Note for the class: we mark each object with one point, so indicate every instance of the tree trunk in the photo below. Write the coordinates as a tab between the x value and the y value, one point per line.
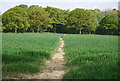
33	30
54	28
48	29
90	32
80	31
38	30
15	30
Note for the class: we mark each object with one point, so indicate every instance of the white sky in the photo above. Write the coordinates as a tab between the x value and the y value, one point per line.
59	0
63	4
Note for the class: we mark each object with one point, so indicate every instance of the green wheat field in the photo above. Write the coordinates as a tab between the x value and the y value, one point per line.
87	56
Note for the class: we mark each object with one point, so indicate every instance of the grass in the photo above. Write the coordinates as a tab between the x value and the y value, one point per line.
26	53
87	56
91	57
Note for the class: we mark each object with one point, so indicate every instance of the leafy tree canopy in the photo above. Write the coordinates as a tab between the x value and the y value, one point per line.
15	18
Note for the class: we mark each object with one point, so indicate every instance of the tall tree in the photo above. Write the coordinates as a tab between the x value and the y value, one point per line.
39	19
15	19
109	25
58	16
82	19
98	13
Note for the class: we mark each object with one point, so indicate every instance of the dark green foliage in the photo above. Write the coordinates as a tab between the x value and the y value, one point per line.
109	25
15	19
39	20
82	19
59	18
49	19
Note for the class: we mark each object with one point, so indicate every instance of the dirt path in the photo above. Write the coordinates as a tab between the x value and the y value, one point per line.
54	68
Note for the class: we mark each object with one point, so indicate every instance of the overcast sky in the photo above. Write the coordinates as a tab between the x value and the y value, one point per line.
63	4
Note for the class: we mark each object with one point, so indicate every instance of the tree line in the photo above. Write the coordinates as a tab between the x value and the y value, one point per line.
35	18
